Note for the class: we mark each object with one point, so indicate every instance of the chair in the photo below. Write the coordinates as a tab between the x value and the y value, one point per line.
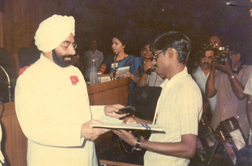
27	56
144	99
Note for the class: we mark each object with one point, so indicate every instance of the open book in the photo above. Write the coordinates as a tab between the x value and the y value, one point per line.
129	126
123	70
113	123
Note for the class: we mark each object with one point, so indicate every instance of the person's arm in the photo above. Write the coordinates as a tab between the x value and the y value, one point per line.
185	148
102	68
249	109
143	79
236	86
135	77
210	89
135	120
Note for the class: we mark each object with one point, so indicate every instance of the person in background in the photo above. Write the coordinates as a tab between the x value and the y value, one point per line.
200	75
52	104
122	59
91	54
227	84
149	76
178	110
215	41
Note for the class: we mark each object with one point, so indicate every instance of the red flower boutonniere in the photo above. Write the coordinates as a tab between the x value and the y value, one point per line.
74	79
21	70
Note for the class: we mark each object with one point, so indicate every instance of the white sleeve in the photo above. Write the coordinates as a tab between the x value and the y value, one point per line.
248	87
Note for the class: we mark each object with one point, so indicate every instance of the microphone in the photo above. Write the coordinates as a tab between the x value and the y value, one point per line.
8	79
114	72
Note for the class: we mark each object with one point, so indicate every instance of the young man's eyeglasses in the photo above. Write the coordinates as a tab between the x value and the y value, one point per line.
155	55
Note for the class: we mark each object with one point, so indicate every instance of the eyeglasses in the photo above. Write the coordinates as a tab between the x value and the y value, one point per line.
66	45
155	55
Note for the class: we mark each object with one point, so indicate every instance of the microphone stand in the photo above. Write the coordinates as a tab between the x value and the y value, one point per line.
114	72
9	84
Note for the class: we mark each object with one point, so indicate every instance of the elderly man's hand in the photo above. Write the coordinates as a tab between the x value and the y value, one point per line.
91	133
111	110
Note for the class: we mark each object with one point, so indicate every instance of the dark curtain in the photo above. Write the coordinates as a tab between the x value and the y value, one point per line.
2	8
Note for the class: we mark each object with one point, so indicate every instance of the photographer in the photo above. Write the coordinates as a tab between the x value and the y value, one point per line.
228	84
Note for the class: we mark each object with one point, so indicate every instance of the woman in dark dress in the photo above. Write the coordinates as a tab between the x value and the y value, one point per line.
122	59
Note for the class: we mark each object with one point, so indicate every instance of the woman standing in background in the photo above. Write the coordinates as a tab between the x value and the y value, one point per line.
122	59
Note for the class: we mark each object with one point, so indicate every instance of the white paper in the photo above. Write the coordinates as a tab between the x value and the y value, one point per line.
123	70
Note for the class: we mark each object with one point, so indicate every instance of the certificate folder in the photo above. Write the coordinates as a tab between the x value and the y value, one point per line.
129	126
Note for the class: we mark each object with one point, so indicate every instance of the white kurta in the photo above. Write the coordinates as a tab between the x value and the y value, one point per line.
51	110
201	79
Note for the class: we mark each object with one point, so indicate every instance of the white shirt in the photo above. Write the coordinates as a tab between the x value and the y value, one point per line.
201	79
179	110
154	79
248	91
248	87
88	57
51	110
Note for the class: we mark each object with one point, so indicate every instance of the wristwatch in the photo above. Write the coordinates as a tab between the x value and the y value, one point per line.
231	77
137	147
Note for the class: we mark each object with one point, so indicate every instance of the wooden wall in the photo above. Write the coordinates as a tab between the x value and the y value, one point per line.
20	22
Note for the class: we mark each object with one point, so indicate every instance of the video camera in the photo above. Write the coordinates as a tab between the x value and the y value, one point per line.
223	53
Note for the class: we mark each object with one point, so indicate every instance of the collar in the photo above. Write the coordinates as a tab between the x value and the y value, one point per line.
237	69
178	77
94	51
202	72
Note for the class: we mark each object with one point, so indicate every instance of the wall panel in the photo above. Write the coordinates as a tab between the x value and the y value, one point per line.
21	20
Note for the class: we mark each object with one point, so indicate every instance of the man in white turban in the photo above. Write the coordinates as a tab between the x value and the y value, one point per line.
52	102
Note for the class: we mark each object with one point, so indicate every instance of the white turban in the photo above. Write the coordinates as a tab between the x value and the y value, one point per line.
53	31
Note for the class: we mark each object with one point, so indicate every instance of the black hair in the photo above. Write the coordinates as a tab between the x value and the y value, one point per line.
121	37
202	52
173	39
143	47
